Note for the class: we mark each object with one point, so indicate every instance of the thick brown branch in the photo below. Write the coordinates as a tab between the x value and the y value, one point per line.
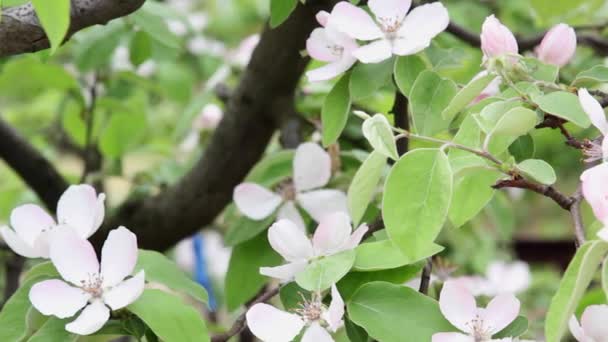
562	200
554	122
20	30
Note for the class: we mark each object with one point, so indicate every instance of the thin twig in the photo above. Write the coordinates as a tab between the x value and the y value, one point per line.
425	278
401	120
89	117
551	121
575	212
546	190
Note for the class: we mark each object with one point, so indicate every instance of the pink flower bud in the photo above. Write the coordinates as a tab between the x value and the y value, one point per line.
558	45
322	18
497	39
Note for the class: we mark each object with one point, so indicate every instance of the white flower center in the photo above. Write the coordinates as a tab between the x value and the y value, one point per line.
336	49
311	310
390	26
479	331
287	190
92	285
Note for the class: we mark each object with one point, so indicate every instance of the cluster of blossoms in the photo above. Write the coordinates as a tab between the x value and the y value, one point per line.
89	286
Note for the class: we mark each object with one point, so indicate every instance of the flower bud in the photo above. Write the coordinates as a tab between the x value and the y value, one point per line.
558	45
497	39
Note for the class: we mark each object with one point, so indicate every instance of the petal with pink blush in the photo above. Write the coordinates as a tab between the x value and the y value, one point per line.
500	312
322	17
423	23
91	319
126	292
290	241
316	333
255	201
330	70
118	256
497	39
320	47
457	305
55	297
73	256
576	330
335	312
78	207
356	237
374	52
595	190
101	212
603	234
289	212
319	203
593	322
558	45
451	337
402	46
332	234
29	221
393	9
311	167
594	110
270	324
18	245
354	21
285	272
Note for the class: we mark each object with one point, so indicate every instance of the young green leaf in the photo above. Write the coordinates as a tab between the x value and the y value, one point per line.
382	255
467	94
55	19
429	96
366	79
417	195
320	274
517	121
140	48
334	113
378	132
539	170
523	148
363	185
564	105
541	71
407	69
354	280
468	134
591	77
53	330
472	192
516	328
280	11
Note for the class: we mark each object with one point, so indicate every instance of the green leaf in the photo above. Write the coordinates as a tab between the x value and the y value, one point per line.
517	121
160	269
55	19
469	134
156	26
516	328
386	311
121	133
467	94
244	229
366	79
407	69
320	274
489	118
541	71
539	170
13	317
98	45
378	132
280	11
417	195
363	185
472	192
573	12
334	113
575	281
53	330
354	280
429	96
291	295
140	48
523	147
169	318
605	278
354	332
591	77
564	105
243	280
381	255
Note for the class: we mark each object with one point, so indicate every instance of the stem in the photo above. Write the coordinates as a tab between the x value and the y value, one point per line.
89	148
575	213
425	278
401	120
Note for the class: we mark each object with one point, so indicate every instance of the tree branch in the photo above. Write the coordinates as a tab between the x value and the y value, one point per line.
20	30
562	200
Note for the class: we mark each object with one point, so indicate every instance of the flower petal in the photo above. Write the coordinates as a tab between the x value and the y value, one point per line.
270	324
18	245
335	312
421	25
593	322
319	203
118	256
55	297
576	330
320	46
78	207
496	38
91	319
356	237
594	110
289	212
255	201
285	272
316	333
332	234
290	241
509	278
558	45
29	221
354	21
126	292
311	167
330	70
390	9
374	52
595	190
603	234
457	305
500	312
452	337
73	256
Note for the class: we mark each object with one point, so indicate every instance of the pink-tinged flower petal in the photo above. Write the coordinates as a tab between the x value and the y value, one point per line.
497	39
594	110
356	237
332	234
290	241
330	70
285	272
270	324
500	312
374	52
319	203
255	201
316	333
593	322
18	245
73	256
354	21
457	305
91	319
79	208
452	337
595	190
29	221
126	292
322	18
118	256
335	312
311	167
55	297
209	117
509	278
320	46
289	212
576	330
603	234
420	26
558	46
392	10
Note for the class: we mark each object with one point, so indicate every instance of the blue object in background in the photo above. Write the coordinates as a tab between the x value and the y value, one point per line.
201	273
